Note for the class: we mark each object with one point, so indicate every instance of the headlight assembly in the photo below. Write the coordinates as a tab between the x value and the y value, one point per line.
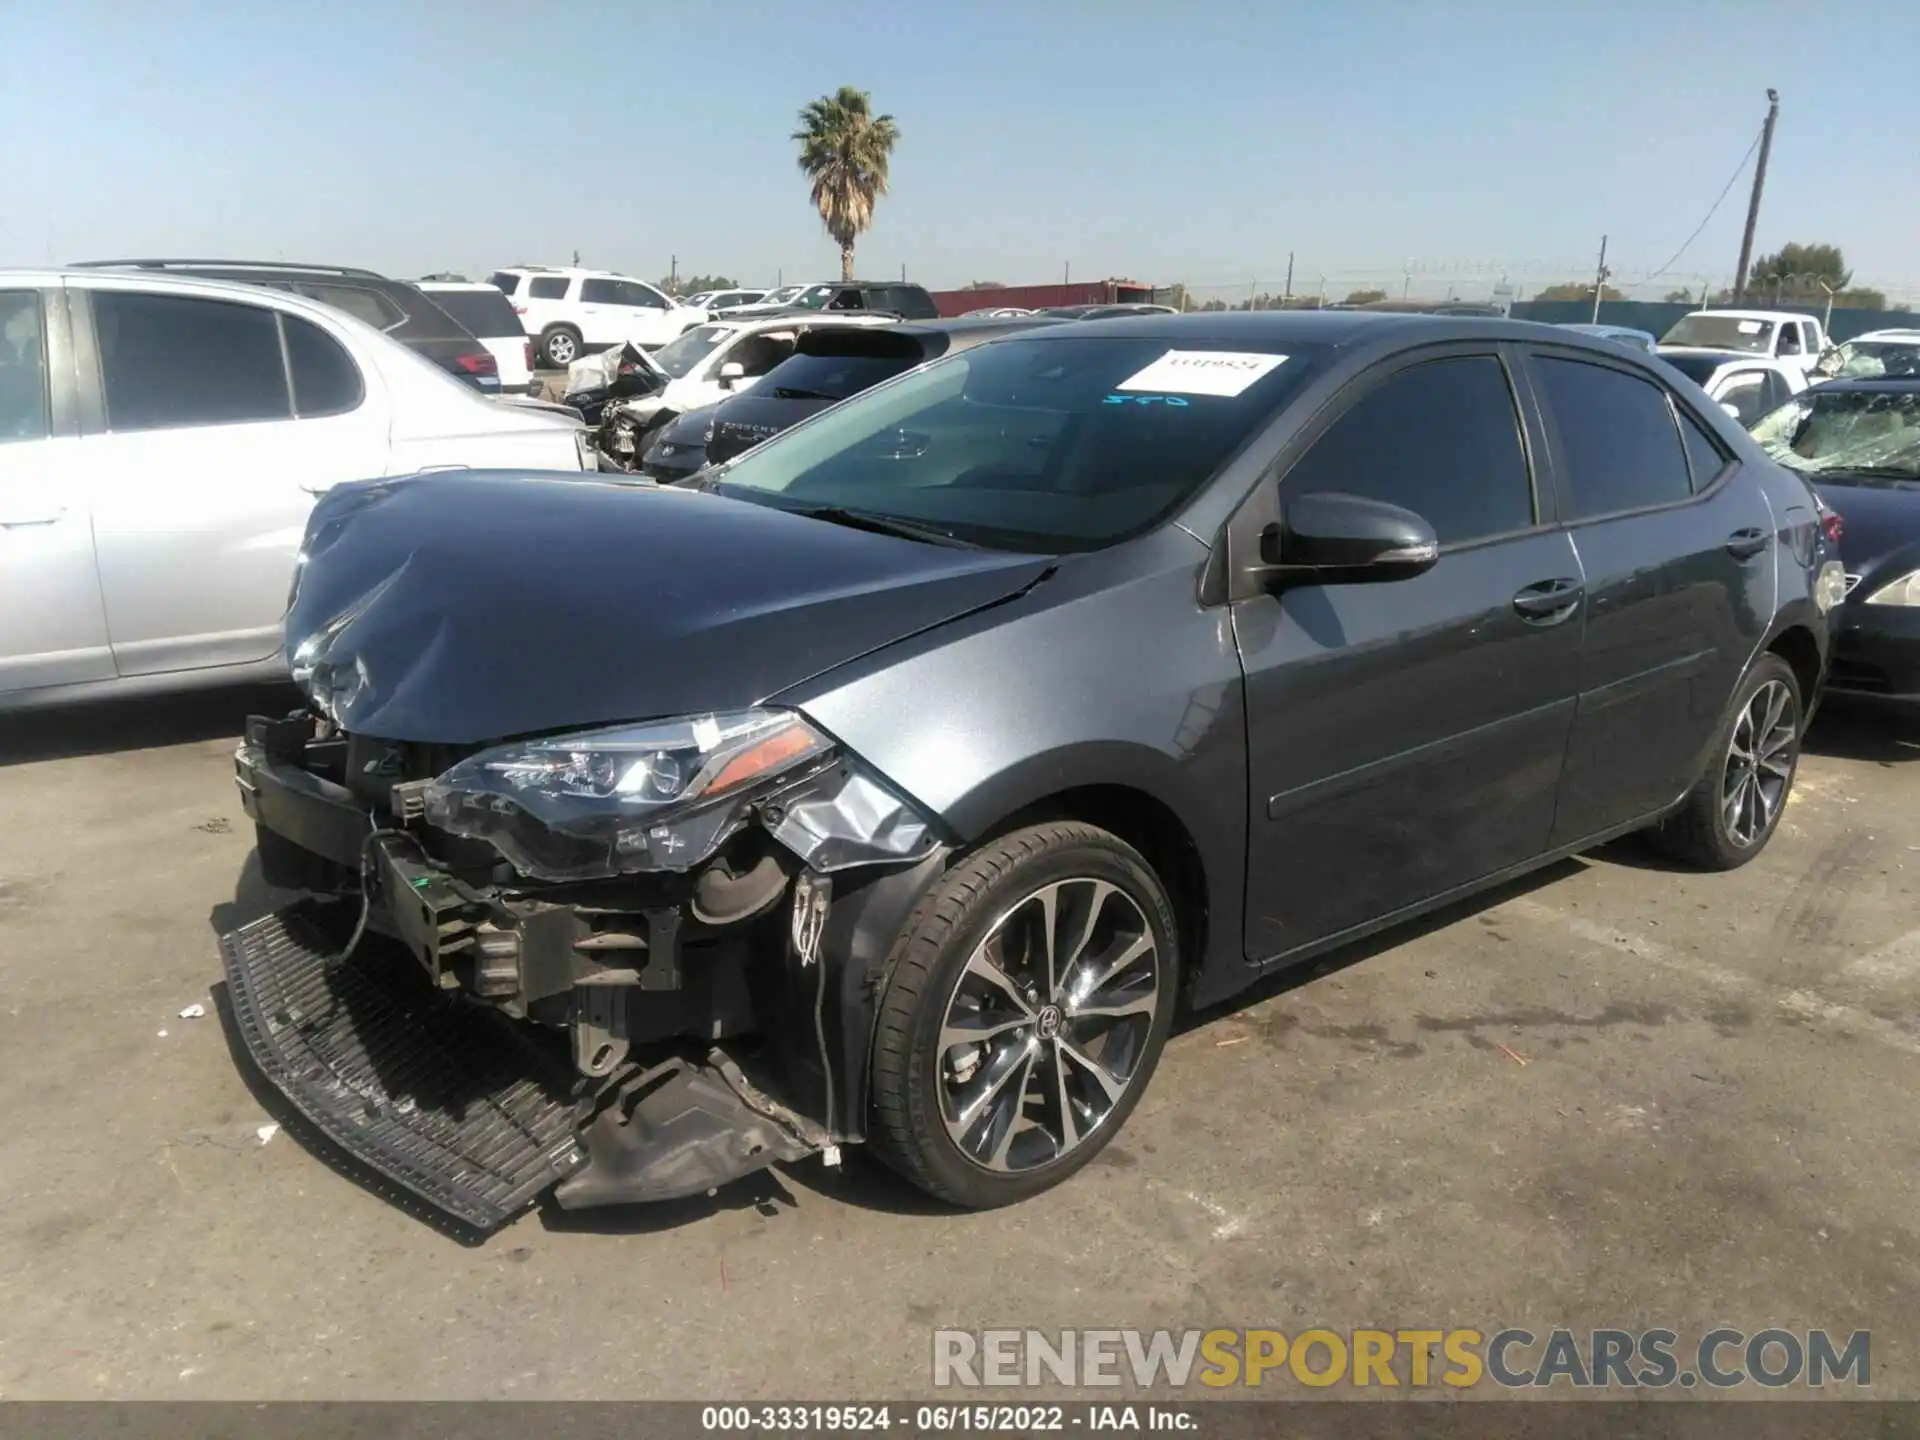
1904	591
666	795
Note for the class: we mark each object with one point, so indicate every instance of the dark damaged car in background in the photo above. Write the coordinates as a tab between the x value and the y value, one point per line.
899	781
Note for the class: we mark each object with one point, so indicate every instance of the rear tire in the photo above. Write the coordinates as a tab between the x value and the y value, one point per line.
559	346
1731	813
1003	1063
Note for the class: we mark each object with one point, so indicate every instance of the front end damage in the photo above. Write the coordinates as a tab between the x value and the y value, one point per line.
625	965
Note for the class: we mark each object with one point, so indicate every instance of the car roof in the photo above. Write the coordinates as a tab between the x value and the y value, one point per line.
164	282
568	270
812	319
1226	329
1752	314
1892	333
453	285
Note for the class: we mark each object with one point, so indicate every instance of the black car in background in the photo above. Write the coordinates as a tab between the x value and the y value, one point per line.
389	305
679	448
827	366
1858	443
893	297
901	779
1103	312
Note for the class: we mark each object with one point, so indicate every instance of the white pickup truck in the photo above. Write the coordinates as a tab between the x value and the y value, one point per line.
1793	339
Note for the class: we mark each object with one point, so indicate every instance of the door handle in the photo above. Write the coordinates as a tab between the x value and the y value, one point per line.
1747	543
10	522
1548	602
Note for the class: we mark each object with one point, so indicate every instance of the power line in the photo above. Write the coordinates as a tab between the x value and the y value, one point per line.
1740	170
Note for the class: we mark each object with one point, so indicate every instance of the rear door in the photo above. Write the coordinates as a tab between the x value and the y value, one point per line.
1677	554
214	423
1405	738
53	627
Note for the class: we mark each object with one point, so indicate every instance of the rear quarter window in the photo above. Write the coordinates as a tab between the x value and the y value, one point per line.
485	313
363	304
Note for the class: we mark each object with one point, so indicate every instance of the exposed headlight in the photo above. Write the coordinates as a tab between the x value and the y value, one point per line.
665	796
1904	591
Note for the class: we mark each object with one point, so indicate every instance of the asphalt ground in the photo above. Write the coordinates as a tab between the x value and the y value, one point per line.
1614	1095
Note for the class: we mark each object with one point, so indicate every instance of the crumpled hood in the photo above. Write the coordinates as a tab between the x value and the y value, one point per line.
476	606
1878	519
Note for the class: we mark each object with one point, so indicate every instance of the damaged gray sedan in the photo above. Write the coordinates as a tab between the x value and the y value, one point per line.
894	782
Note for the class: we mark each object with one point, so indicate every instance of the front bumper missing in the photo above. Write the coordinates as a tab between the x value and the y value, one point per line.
448	1100
465	1108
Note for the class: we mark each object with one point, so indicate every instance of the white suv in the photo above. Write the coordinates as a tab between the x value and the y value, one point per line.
570	311
162	440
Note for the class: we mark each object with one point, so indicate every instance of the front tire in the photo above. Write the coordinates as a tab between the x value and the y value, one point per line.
1027	1002
1731	813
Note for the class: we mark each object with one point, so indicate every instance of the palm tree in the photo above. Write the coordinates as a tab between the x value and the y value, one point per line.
844	149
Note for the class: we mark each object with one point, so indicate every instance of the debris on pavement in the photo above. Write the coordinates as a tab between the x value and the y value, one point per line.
267	1132
1514	1055
195	1011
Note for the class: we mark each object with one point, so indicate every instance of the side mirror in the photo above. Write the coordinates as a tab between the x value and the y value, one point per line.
730	372
1334	539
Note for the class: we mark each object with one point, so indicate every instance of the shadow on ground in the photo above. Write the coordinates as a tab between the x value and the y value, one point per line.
1845	732
107	727
1292	977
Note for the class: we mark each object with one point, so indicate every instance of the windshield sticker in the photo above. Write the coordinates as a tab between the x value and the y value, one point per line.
1749	327
1145	400
1203	372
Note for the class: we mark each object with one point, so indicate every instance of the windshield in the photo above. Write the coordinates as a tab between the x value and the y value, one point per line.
1722	332
1870	359
1043	445
1823	430
678	357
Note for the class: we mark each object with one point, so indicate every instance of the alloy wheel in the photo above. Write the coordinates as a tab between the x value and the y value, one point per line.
1045	1029
560	349
1759	767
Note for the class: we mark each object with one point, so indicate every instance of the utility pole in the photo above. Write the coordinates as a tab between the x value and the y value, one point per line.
1288	296
673	274
1600	280
1066	273
1753	202
903	272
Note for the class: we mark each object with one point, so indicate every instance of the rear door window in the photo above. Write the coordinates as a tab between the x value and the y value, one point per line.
168	361
1441	439
1618	440
23	367
548	287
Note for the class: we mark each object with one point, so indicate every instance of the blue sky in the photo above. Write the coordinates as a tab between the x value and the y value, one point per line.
1197	142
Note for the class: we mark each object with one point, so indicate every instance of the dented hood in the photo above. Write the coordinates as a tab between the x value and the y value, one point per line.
458	609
